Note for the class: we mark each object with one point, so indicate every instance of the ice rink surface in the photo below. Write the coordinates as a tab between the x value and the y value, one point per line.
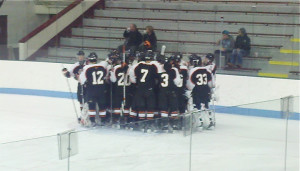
239	143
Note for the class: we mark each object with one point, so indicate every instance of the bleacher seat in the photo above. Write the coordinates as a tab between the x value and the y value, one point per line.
191	27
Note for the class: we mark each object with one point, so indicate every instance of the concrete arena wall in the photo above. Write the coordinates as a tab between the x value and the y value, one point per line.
233	90
21	19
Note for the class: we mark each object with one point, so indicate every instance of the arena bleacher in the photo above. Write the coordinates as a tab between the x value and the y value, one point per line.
193	27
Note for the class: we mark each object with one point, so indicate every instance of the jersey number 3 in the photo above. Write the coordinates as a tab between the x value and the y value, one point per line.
97	77
165	80
202	79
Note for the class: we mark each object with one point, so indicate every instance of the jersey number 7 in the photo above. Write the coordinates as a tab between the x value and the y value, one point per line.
145	73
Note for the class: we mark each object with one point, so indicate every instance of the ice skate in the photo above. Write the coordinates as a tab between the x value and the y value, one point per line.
200	125
170	129
211	126
92	125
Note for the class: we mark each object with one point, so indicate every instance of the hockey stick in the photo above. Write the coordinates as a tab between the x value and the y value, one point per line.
111	97
124	84
71	95
220	55
163	49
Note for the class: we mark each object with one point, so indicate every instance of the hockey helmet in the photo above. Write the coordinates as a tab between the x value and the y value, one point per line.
149	55
177	56
195	60
80	53
130	53
113	54
210	57
93	57
140	56
130	56
161	58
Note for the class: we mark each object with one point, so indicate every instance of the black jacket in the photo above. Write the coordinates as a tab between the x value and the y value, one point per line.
133	38
152	39
243	42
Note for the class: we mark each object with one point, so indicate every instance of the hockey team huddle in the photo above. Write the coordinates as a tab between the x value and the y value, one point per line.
144	90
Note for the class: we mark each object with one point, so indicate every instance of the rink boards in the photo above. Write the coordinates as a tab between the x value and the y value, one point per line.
46	79
35	104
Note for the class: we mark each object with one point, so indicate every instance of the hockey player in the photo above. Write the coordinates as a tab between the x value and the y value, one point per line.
144	75
119	78
200	83
209	63
75	72
183	71
94	76
140	56
169	80
157	64
180	56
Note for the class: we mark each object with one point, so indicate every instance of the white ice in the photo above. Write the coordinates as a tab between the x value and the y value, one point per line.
239	143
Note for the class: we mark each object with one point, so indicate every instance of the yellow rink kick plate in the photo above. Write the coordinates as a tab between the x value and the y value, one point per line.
261	74
287	63
290	51
295	40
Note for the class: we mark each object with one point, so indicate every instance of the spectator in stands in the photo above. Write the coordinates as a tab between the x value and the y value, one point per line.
242	48
227	45
133	39
149	40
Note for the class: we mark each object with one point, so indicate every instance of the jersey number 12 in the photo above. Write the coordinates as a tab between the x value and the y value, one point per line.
97	77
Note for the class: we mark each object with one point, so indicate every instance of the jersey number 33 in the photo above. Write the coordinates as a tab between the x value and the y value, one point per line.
202	79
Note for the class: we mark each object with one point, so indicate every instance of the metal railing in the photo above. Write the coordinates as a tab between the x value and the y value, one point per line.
53	2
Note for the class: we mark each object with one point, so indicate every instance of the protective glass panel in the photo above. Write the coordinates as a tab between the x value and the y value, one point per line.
112	149
292	135
245	138
35	154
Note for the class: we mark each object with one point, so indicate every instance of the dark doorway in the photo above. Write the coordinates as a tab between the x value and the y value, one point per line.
1	2
3	37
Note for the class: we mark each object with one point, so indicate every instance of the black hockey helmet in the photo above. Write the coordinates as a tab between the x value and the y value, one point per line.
195	60
80	53
130	56
171	58
93	57
177	56
149	55
161	58
140	56
113	54
210	57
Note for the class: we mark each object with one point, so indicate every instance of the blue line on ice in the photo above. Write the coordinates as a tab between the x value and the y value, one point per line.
219	109
35	92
